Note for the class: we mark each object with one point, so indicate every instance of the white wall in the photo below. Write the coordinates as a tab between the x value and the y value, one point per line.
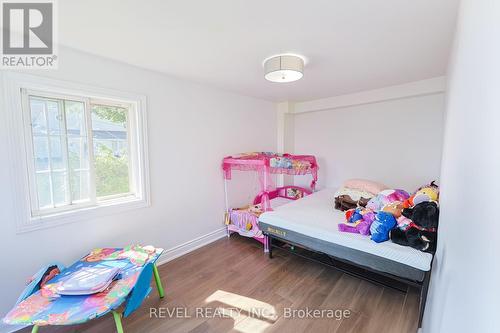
190	129
397	142
465	294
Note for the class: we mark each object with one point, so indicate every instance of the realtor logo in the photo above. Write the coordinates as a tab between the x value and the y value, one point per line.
28	34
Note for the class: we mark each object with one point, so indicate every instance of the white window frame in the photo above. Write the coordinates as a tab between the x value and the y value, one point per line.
17	87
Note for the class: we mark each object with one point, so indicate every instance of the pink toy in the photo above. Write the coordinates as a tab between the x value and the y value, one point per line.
403	222
386	197
245	220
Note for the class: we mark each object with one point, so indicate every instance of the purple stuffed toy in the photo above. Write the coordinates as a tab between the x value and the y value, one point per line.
358	221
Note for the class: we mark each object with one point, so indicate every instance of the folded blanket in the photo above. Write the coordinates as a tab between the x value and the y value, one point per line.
348	198
365	185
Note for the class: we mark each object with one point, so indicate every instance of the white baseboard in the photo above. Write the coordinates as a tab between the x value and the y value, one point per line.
191	245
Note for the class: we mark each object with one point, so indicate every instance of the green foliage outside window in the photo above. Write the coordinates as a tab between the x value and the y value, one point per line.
111	167
111	172
112	113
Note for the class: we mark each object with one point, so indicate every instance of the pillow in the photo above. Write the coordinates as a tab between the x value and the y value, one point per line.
365	185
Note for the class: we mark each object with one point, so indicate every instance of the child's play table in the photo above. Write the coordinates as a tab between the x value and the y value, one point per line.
44	306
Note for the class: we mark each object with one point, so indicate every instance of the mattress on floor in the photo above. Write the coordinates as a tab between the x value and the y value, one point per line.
313	222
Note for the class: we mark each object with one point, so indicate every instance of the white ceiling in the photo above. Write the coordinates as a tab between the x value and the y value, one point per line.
351	45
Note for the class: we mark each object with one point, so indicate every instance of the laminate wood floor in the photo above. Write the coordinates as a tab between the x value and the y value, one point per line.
231	286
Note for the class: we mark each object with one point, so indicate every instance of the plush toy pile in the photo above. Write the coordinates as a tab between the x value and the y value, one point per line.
417	226
390	213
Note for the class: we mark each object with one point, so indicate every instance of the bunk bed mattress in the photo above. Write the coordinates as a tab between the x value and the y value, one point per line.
313	222
279	201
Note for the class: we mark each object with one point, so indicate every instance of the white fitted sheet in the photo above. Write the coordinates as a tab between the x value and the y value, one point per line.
315	216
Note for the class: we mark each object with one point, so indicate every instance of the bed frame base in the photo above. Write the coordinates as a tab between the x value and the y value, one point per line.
365	273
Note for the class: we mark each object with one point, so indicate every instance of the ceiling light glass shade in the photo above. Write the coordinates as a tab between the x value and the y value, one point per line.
284	68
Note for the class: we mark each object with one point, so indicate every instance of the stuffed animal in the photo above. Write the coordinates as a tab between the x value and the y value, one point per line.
255	209
358	221
381	226
429	192
386	197
395	208
419	229
403	222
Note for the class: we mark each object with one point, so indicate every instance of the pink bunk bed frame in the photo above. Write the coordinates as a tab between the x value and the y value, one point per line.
265	164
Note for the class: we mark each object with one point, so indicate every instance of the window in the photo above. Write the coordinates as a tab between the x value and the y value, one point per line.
82	152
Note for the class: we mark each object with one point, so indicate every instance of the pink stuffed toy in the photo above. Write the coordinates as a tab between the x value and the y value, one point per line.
403	222
386	197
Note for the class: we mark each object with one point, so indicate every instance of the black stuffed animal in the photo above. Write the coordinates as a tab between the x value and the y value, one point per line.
421	232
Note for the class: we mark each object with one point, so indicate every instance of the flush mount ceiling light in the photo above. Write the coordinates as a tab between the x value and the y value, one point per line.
284	68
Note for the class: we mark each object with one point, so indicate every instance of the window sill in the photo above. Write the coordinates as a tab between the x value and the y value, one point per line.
104	209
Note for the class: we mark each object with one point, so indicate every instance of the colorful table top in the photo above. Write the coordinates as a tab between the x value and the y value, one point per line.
46	307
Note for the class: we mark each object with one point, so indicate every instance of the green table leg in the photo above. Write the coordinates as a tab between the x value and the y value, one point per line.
35	329
118	322
158	281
